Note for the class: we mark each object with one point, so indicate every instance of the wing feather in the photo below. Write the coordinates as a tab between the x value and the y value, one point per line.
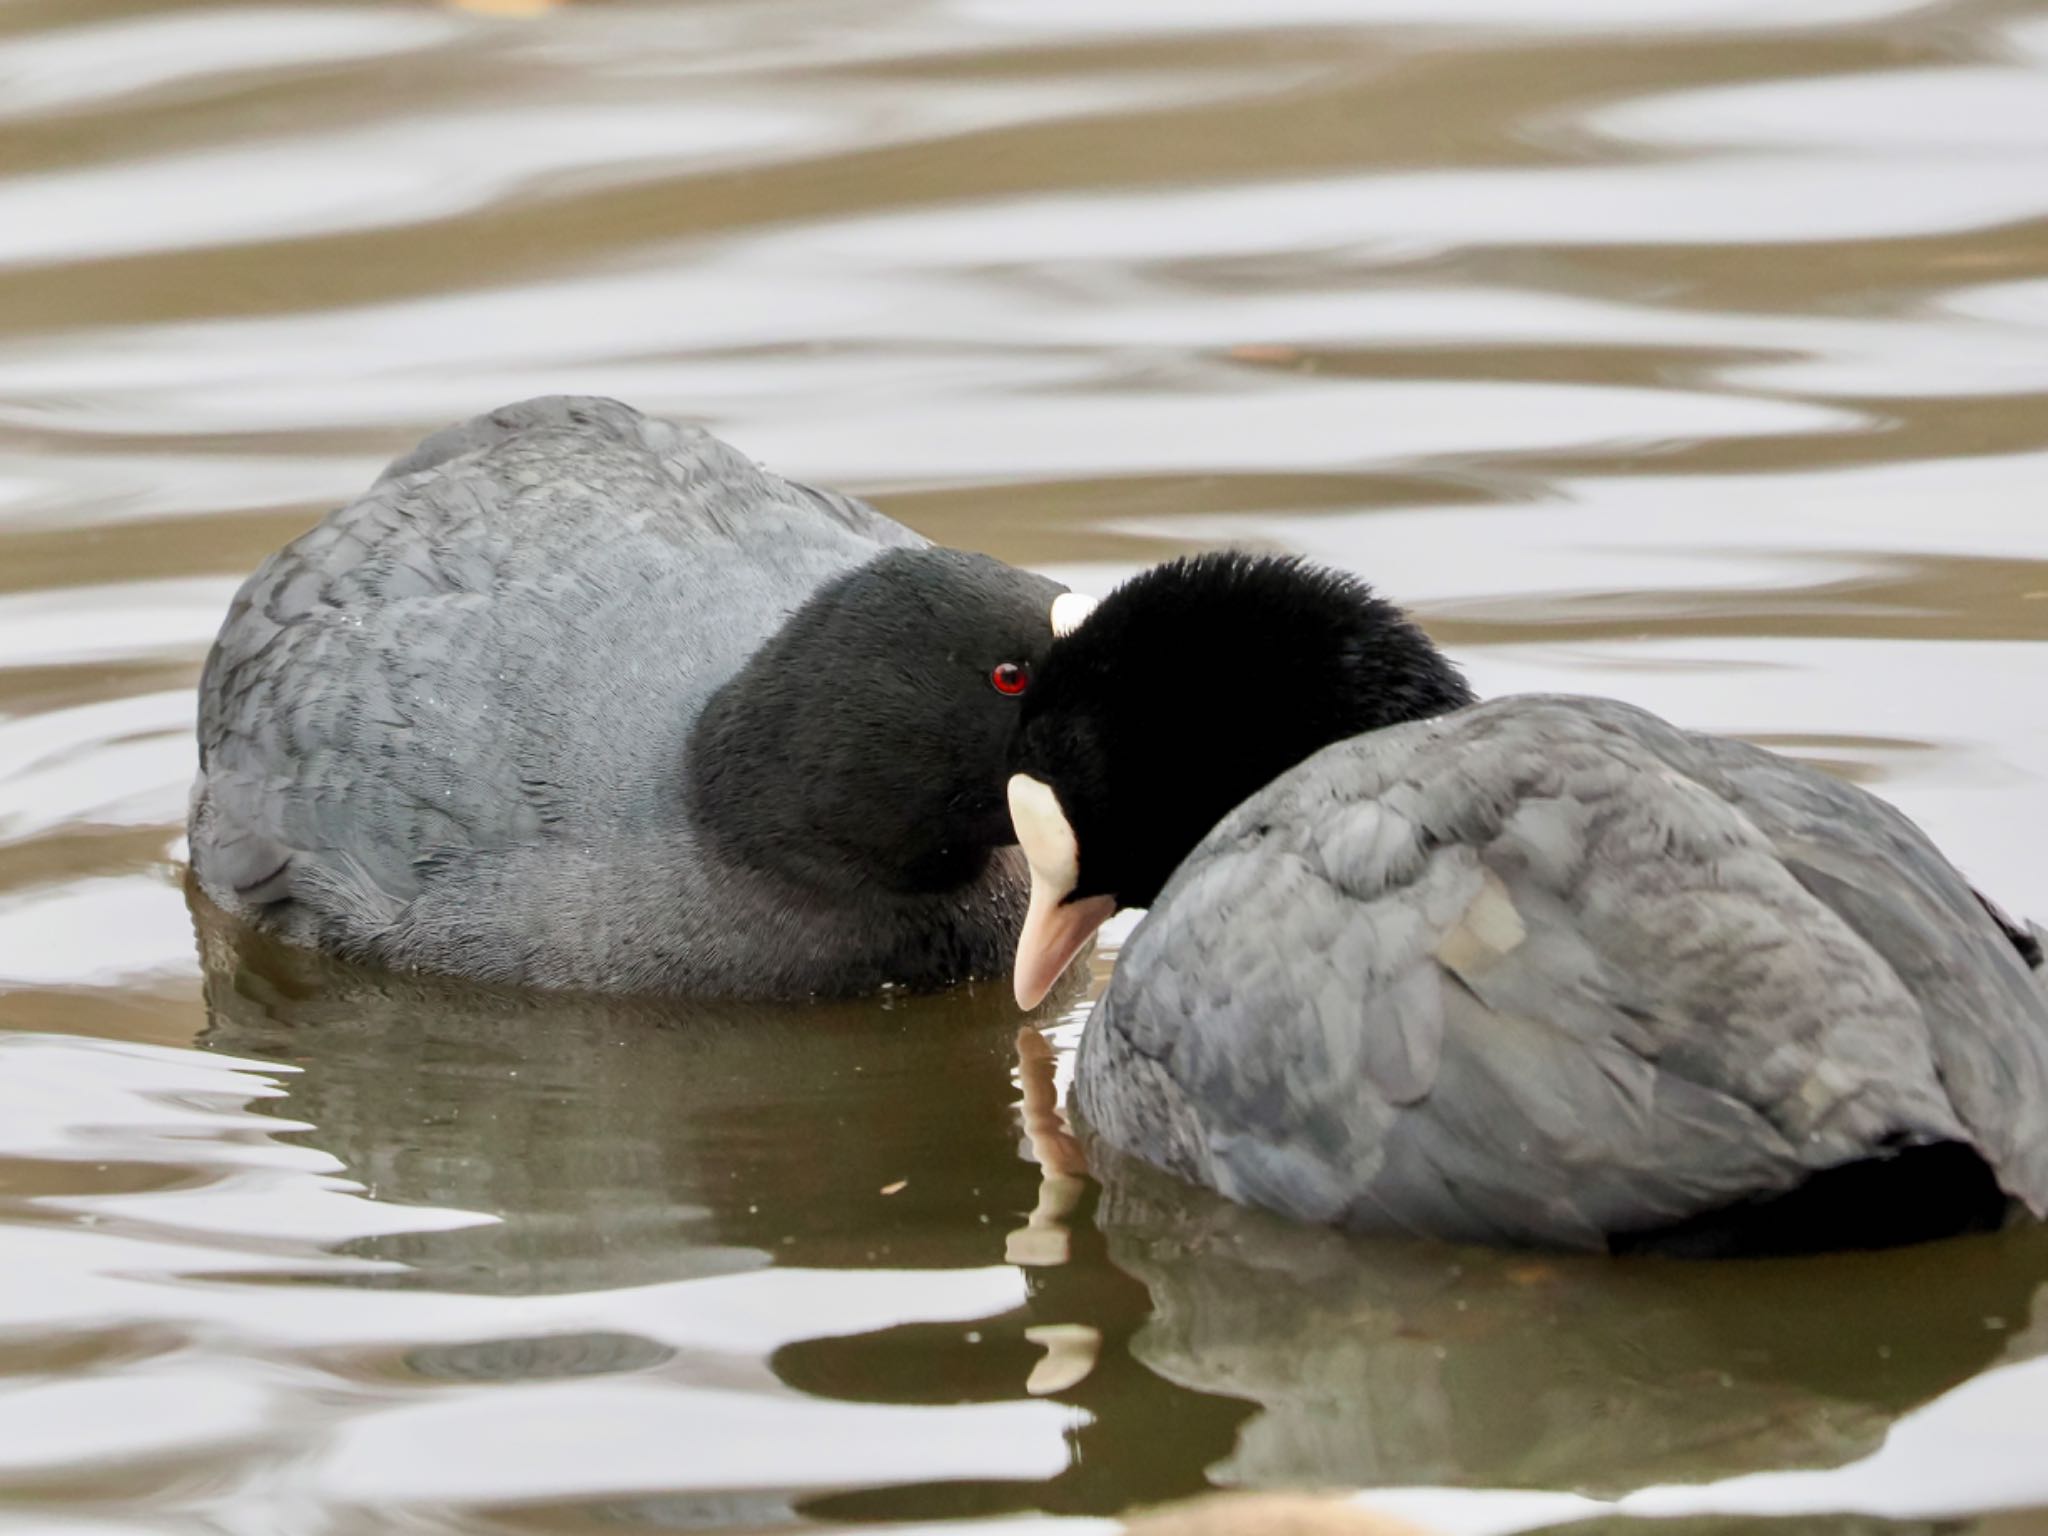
1548	969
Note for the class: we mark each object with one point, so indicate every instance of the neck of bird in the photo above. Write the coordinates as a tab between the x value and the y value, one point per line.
816	809
1394	677
1387	677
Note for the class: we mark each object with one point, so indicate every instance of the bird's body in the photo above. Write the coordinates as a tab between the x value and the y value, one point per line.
1538	970
462	724
1548	970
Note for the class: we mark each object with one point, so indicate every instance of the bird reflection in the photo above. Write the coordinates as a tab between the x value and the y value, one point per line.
1062	1166
1071	1349
630	1142
1382	1362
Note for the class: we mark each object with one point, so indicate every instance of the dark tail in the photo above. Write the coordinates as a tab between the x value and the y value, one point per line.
1914	1195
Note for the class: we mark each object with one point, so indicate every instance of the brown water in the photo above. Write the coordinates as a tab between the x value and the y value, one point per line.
1693	351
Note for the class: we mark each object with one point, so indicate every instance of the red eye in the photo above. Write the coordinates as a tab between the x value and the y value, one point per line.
1010	678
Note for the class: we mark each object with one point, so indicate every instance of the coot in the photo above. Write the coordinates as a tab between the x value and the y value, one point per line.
574	697
1538	970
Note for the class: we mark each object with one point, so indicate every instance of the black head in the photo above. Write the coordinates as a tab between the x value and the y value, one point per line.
1193	685
867	742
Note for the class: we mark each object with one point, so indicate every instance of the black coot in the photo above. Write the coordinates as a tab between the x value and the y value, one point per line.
1536	970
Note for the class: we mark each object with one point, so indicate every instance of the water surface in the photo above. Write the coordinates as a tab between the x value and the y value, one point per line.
1691	351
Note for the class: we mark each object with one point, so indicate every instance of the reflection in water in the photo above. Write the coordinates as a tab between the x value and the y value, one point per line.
625	1141
1383	1362
1063	1167
628	1143
621	1144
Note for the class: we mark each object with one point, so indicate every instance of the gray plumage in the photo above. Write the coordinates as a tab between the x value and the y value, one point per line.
446	728
1543	970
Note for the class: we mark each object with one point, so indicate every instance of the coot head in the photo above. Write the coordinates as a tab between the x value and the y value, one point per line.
1191	686
864	747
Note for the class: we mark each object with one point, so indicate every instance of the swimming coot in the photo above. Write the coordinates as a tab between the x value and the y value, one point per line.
578	698
1537	970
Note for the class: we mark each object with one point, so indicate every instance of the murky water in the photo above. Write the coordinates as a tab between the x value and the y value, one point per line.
1693	351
